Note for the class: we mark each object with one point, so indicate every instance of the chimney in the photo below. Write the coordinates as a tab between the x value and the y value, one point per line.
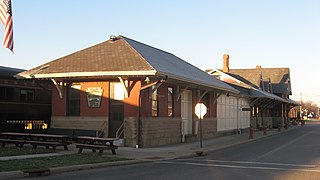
225	63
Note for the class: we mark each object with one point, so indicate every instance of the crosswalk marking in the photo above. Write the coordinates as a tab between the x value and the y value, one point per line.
261	167
258	163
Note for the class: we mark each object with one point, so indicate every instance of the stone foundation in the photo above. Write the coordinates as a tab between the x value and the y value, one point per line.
160	131
80	122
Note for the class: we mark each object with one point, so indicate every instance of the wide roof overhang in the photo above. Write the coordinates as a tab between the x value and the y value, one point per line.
172	78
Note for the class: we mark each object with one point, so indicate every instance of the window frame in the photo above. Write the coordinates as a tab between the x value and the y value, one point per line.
73	100
154	102
170	101
29	95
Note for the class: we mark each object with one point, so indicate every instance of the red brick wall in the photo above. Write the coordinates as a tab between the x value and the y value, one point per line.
131	104
213	104
162	100
59	105
176	104
212	108
145	103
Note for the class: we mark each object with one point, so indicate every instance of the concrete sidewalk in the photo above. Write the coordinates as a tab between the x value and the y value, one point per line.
150	154
191	149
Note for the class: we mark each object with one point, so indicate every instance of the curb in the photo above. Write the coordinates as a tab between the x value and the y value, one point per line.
59	170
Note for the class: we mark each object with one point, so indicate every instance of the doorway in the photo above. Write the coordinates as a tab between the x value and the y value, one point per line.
186	113
116	113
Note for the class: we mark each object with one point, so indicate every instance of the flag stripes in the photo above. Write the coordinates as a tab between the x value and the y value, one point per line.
6	19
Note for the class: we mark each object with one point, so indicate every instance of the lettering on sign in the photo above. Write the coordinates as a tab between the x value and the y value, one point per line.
246	109
94	95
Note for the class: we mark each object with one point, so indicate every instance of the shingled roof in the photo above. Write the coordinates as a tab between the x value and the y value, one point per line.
279	78
241	84
121	56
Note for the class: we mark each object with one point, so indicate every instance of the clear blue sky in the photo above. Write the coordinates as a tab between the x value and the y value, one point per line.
270	33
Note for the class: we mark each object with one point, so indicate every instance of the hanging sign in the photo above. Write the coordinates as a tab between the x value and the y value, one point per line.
94	95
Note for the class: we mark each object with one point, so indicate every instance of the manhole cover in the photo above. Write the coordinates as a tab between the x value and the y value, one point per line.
154	157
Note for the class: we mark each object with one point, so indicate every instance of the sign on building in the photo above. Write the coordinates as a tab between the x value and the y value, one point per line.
94	95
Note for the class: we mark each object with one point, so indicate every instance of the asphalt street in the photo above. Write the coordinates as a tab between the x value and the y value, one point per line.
291	155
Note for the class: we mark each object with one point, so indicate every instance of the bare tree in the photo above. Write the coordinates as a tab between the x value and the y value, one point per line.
310	107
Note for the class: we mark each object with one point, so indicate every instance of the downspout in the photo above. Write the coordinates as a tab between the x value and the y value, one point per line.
138	139
238	109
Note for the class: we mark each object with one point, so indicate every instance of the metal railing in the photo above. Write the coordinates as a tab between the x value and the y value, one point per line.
120	131
103	127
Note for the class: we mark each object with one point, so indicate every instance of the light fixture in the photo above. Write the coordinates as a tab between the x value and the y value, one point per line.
147	80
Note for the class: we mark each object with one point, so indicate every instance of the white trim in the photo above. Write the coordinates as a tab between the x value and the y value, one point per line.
96	73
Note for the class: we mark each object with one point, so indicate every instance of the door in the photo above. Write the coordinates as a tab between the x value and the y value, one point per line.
116	113
186	112
116	117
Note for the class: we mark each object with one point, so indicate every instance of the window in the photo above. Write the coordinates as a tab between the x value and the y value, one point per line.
154	103
6	93
117	91
27	95
73	100
170	102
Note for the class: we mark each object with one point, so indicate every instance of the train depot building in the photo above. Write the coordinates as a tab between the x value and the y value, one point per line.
127	89
145	96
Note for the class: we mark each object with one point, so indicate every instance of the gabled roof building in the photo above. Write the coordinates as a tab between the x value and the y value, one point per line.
267	88
126	89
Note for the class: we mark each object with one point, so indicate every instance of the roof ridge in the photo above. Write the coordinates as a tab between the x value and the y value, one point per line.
145	44
261	68
155	49
124	38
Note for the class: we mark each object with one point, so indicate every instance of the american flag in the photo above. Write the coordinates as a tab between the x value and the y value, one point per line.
6	19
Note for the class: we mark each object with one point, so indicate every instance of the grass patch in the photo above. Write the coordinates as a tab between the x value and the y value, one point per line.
16	151
56	161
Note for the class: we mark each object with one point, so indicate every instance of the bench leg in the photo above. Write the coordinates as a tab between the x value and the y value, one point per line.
80	151
65	147
113	151
3	145
54	148
100	152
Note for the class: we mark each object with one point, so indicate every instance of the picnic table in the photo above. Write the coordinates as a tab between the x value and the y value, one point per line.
19	139
96	143
47	140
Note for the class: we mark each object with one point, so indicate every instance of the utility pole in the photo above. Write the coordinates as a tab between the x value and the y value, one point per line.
300	106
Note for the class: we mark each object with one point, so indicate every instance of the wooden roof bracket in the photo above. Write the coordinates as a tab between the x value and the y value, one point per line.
125	84
157	85
202	95
253	103
59	87
216	98
180	92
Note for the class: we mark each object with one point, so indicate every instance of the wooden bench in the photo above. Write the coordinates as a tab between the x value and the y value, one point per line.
94	147
47	144
17	142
